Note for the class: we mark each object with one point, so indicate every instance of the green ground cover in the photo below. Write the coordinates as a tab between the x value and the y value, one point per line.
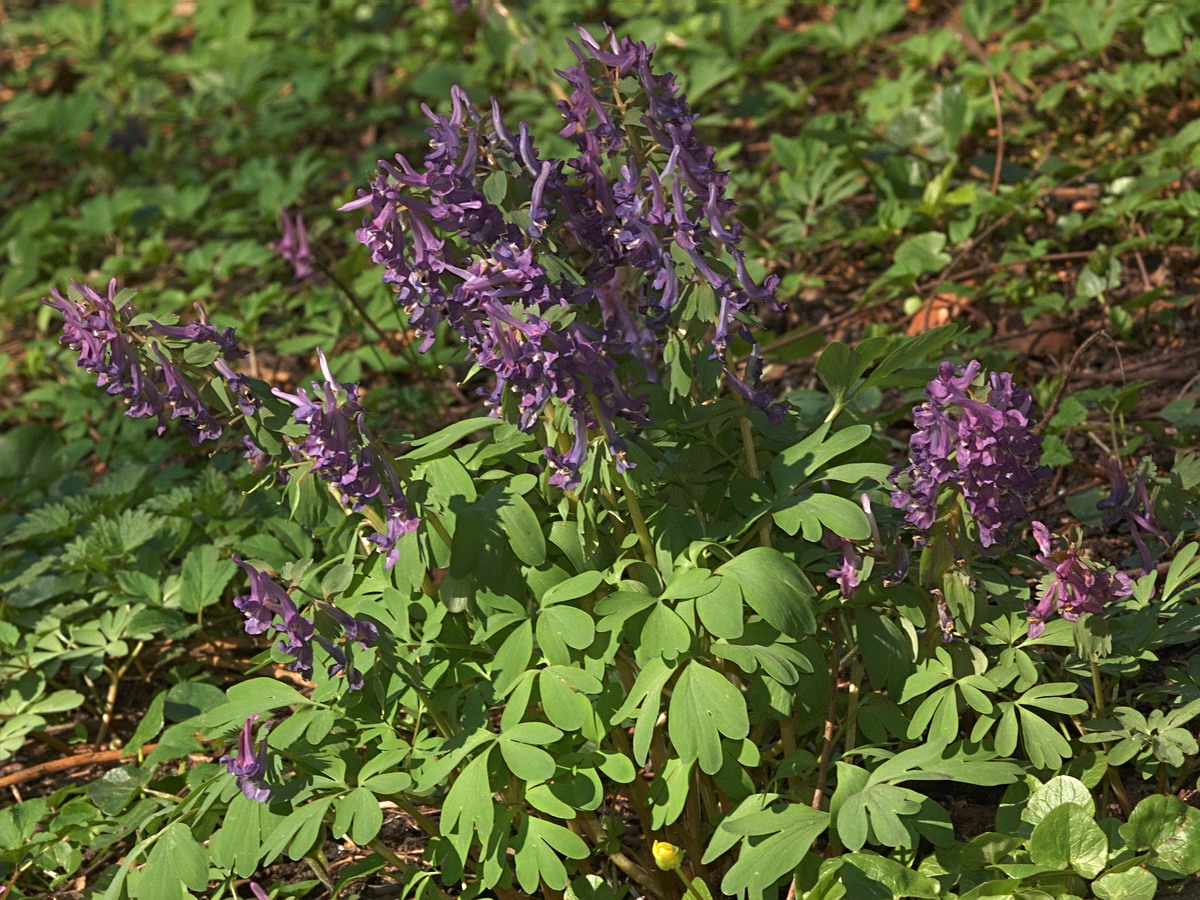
555	708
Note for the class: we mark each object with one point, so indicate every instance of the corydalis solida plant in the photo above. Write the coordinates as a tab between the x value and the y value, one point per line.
563	276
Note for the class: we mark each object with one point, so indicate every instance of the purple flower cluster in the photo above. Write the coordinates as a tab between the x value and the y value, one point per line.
555	297
977	438
249	764
343	454
133	360
268	602
1074	586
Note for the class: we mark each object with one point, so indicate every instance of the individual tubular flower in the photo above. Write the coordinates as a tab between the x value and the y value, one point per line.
293	246
1134	507
1074	585
249	764
984	447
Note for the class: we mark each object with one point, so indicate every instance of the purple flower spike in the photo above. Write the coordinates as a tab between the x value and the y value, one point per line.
340	447
1074	586
249	764
985	448
293	246
135	361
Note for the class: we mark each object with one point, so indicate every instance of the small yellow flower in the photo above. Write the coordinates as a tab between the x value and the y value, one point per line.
667	856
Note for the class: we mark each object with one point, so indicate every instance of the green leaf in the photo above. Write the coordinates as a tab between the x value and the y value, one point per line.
573	588
920	254
669	792
1170	828
804	461
337	580
495	187
537	846
646	693
237	844
865	872
1068	837
1055	792
1153	822
775	588
468	807
176	852
436	443
560	627
790	829
1132	884
297	832
366	815
809	512
112	792
532	764
201	355
149	726
704	706
664	633
205	576
833	368
720	610
560	688
522	528
1044	744
512	659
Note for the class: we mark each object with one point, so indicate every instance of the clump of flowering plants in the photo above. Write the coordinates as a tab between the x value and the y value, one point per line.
598	640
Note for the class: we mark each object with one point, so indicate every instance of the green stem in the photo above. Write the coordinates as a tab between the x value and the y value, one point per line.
639	521
408	871
1098	690
687	885
764	528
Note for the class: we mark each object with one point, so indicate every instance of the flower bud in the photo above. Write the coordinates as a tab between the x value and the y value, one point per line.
667	856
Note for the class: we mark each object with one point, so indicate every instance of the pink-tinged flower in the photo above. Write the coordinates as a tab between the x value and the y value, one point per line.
1074	586
293	246
249	764
847	574
258	892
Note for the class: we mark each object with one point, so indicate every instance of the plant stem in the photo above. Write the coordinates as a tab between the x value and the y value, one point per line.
1098	690
687	885
830	716
764	527
639	521
383	850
